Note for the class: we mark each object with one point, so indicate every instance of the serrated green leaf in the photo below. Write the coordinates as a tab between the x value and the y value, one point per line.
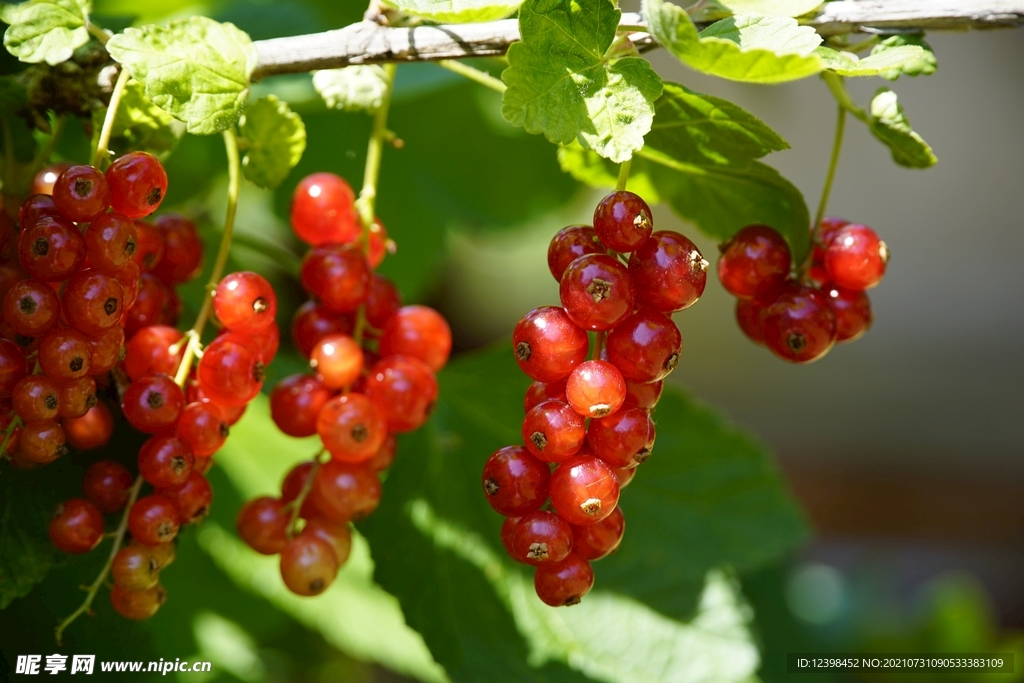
354	88
743	48
876	64
922	63
890	125
139	124
770	8
274	138
196	69
27	500
456	11
561	83
46	30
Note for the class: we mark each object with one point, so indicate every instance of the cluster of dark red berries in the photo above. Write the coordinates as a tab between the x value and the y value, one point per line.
588	423
372	364
799	317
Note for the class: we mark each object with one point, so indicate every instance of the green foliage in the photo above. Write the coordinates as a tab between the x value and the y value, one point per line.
456	11
881	62
890	125
46	30
353	88
274	138
13	95
563	83
753	49
770	8
139	124
922	63
27	501
196	69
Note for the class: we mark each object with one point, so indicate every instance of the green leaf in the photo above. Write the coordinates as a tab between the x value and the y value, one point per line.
914	63
196	69
880	63
890	125
139	124
561	83
753	49
770	8
274	138
27	500
46	30
456	11
353	88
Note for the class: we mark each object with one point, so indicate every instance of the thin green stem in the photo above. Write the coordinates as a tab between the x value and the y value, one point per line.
296	504
837	148
599	339
481	77
44	153
623	175
90	592
97	33
103	143
366	203
838	89
15	423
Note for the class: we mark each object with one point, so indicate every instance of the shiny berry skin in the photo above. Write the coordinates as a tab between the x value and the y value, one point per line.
404	389
419	332
338	361
564	583
852	310
382	301
50	249
105	350
81	193
137	605
748	317
35	207
799	327
351	427
43	181
231	414
542	537
149	245
584	490
183	250
569	244
643	394
43	441
230	371
12	367
754	262
623	221
31	307
337	535
164	552
149	351
65	354
553	432
245	302
152	303
508	530
92	302
110	242
548	345
856	257
595	389
107	485
135	568
153	403
76	396
624	476
323	210
308	565
294	482
192	498
599	540
337	275
11	449
516	483
668	272
295	403
263	524
138	184
165	460
827	229
313	321
76	527
538	392
596	292
35	397
344	491
267	341
645	347
623	439
203	428
92	430
153	520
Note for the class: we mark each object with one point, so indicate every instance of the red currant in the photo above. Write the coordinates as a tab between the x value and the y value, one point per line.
230	371
404	389
183	250
599	540
799	327
643	394
263	524
754	262
149	248
153	520
153	403
92	302
564	583
748	317
338	361
623	221
623	439
351	427
43	181
203	428
584	490
553	432
294	482
419	332
34	208
855	258
107	485
105	350
336	274
43	441
308	565
295	403
345	491
508	530
596	292
192	498
645	347
81	193
595	389
12	367
312	322
92	430
245	302
378	244
135	568
110	242
337	535
323	210
384	456
31	308
668	272
35	397
548	345
50	249
152	303
149	351
268	341
516	483
542	537
76	526
76	396
65	354
382	301
165	460
569	244
138	184
852	310
544	391
137	605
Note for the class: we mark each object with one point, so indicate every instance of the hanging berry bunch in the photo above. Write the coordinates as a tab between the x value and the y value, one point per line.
588	422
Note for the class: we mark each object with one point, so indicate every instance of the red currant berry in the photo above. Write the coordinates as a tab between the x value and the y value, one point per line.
337	535
107	485
43	181
153	403
137	605
50	249
856	258
65	354
153	520
548	345
43	441
135	568
544	391
542	537
35	397
308	565
336	274
11	451
799	327
81	193
564	583
379	244
404	390
508	530
75	397
584	490
93	302
138	184
384	456
230	371
754	262
295	403
596	292
748	317
245	302
10	272
645	347
595	389
294	482
599	540
553	431
344	491
35	207
203	428
231	414
164	552
165	460
12	367
419	332
516	483
183	250
313	322
77	526
338	361
268	341
827	229
569	244
623	221
110	242
151	305
192	498
643	394
623	439
351	427
323	210
668	271
105	350
852	310
149	351
149	248
263	524
382	301
92	430
31	308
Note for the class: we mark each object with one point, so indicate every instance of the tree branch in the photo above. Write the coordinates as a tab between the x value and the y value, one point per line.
368	42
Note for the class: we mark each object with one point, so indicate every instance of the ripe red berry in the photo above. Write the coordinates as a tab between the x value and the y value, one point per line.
107	485
313	321
382	301
153	403
337	275
75	397
754	262
645	347
323	210
51	248
11	450
569	244
643	394
76	526
595	389
267	341
152	303
623	439
153	520
295	403
553	432
137	604
344	491
110	242
308	565
404	390
337	360
203	428
92	302
508	530
245	302
599	540
165	460
105	350
337	535
596	292
419	332
748	317
135	568
296	480
668	272
149	247
149	351
538	392
230	371
548	345
138	184
852	310
31	307
231	414
564	583
263	524
81	193
12	367
624	476
42	441
584	490
43	181
35	397
192	498
92	430
35	207
183	250
516	483
856	257
384	456
65	354
827	229
623	221
799	327
542	537
351	427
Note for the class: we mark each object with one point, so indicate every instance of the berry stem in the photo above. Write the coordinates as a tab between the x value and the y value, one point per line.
307	486
837	147
599	339
623	175
481	77
94	588
365	205
15	422
102	155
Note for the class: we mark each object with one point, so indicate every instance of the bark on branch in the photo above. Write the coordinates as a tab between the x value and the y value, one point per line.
367	42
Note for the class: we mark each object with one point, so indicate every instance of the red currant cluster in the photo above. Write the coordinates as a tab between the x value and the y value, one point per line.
800	318
372	364
588	423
